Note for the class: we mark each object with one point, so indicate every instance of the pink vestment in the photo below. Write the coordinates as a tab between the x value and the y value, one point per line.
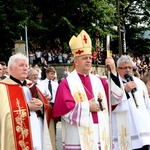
67	103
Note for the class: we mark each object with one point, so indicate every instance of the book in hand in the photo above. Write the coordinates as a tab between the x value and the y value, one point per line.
33	90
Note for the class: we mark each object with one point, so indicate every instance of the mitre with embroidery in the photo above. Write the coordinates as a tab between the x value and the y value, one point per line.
80	45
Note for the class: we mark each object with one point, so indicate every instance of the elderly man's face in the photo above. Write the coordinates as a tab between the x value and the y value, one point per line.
19	70
124	68
34	76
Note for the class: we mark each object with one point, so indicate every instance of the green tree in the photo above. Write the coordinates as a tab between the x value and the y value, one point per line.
51	20
13	16
135	15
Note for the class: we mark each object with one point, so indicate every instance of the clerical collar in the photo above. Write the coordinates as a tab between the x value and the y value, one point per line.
3	77
83	74
123	80
18	81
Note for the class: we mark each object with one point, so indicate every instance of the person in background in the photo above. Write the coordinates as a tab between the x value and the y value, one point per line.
38	55
21	124
95	73
33	76
4	70
31	57
36	67
1	72
146	80
81	101
130	117
65	57
94	57
66	72
43	70
60	58
50	83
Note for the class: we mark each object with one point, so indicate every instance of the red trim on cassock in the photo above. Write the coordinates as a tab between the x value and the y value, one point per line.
20	117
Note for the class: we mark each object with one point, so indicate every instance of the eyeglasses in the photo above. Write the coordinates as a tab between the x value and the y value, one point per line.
127	67
34	75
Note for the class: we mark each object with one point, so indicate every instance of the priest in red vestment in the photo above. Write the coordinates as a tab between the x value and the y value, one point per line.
25	116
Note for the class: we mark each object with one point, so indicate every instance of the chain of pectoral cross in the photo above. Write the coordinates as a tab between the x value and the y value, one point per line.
91	94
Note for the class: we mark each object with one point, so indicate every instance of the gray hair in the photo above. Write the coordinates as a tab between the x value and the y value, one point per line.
13	58
32	71
124	58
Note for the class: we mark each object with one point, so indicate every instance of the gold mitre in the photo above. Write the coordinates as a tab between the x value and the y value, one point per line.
80	45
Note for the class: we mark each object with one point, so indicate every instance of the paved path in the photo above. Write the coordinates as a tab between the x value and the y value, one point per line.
58	136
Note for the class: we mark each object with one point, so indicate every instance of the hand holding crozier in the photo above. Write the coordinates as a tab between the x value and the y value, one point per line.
111	64
94	107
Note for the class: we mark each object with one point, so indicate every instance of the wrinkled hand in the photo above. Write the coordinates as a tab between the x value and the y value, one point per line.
111	64
129	86
94	107
35	104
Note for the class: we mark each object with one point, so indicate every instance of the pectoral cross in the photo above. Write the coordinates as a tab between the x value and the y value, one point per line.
100	103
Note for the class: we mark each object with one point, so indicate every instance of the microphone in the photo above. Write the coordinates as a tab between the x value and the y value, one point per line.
129	77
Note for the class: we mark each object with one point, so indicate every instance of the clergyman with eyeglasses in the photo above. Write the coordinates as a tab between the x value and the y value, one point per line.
131	118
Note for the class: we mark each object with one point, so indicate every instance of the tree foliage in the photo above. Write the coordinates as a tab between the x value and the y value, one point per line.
51	20
136	16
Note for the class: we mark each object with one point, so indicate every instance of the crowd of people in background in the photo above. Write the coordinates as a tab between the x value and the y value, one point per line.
40	56
44	58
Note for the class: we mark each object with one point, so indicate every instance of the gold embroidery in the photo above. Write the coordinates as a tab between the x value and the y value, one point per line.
123	141
88	143
79	96
21	127
105	139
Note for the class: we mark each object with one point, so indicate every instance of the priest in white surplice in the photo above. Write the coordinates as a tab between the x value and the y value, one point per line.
131	118
85	122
